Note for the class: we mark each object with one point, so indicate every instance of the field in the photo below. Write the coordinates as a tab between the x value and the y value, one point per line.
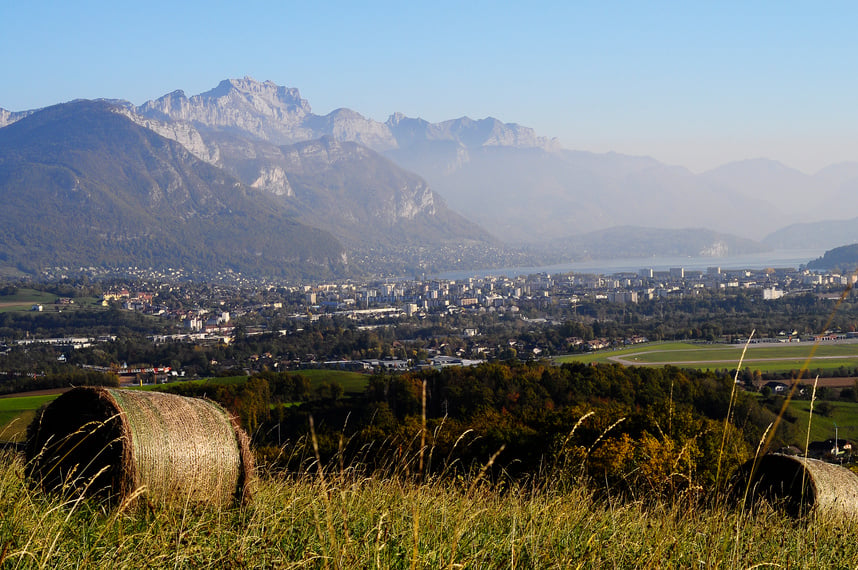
764	357
352	382
345	517
24	299
16	412
842	415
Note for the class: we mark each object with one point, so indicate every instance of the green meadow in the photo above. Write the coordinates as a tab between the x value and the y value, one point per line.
16	412
24	299
352	382
766	358
842	415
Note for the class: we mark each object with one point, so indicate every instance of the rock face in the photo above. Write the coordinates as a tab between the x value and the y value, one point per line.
362	197
9	117
326	169
262	109
467	133
183	133
345	125
279	115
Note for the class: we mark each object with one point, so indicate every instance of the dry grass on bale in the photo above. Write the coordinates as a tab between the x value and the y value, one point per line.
800	485
118	444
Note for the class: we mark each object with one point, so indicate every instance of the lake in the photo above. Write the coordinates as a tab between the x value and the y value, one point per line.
777	258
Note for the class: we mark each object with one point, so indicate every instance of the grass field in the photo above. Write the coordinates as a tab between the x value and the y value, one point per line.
843	414
24	300
17	413
766	358
352	382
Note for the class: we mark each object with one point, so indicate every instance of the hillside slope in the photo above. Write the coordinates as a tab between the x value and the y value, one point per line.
83	185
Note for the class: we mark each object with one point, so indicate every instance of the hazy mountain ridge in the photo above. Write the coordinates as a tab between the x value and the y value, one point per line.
326	175
243	126
263	109
325	171
825	234
279	115
643	242
503	176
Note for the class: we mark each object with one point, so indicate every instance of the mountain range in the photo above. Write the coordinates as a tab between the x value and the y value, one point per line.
526	188
281	190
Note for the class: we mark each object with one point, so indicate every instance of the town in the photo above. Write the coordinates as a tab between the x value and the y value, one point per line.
418	323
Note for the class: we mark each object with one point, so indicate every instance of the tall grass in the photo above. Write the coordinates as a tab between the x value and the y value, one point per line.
343	519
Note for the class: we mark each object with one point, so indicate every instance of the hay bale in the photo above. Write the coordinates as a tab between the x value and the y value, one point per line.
801	486
111	443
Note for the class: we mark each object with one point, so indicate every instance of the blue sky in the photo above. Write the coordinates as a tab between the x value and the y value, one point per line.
691	83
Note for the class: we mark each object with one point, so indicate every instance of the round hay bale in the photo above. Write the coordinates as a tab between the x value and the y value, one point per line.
801	485
117	444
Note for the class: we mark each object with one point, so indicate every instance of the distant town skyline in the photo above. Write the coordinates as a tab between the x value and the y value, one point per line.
691	84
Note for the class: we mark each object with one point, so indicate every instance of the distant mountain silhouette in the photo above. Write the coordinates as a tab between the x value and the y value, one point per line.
843	258
382	188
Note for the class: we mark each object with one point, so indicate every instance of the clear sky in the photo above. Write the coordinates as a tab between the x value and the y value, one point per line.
691	83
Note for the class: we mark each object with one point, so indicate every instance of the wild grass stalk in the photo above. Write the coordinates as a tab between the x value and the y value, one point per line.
372	526
728	417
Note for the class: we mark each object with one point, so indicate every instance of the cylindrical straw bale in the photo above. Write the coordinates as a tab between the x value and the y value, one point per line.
120	444
800	485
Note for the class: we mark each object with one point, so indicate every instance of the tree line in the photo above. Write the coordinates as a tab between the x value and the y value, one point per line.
656	429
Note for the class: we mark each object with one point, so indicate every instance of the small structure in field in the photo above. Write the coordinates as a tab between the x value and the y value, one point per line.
125	444
801	486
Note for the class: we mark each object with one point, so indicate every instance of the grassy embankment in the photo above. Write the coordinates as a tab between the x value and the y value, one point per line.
17	413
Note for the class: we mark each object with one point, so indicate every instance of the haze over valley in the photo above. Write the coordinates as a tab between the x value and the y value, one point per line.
372	148
429	193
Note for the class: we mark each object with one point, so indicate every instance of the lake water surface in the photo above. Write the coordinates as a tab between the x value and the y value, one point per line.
777	258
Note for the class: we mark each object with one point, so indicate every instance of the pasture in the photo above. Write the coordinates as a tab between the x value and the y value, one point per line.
17	412
352	382
839	414
24	299
824	357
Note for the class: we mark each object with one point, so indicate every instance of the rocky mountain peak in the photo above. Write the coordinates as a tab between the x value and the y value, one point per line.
260	94
264	110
